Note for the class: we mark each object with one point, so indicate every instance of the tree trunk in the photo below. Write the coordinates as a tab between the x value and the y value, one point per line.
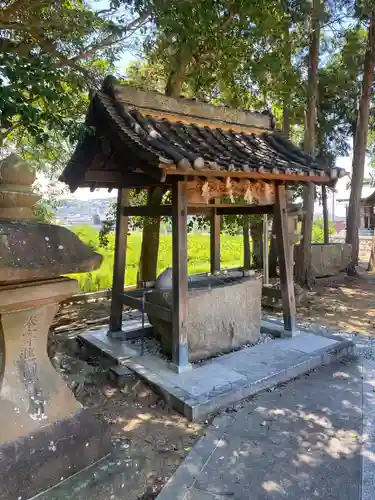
303	267
286	97
272	257
371	262
256	231
150	239
177	76
325	215
359	152
151	230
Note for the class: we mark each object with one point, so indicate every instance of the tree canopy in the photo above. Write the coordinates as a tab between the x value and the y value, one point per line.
51	53
254	54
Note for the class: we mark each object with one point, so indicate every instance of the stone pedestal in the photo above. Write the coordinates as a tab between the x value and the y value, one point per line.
45	434
32	392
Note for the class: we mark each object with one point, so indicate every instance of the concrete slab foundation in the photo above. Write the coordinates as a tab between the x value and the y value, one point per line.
116	348
227	379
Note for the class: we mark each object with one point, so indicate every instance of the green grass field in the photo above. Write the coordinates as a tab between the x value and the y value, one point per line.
198	256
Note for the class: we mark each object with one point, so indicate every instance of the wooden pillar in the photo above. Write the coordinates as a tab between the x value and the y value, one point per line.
285	265
180	350
215	241
266	274
325	215
119	264
246	243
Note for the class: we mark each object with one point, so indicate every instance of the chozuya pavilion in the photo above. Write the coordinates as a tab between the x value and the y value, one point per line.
203	154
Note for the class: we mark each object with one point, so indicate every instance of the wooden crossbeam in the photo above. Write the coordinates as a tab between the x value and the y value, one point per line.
317	179
166	210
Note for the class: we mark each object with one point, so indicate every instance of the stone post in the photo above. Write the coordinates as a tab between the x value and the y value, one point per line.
45	434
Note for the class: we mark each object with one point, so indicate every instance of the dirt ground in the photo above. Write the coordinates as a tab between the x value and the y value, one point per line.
342	303
154	437
157	437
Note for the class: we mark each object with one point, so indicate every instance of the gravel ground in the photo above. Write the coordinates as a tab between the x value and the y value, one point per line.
153	346
364	344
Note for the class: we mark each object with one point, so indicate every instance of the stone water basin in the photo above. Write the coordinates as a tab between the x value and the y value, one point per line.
222	314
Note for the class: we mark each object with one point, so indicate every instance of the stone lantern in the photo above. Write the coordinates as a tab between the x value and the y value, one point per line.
45	434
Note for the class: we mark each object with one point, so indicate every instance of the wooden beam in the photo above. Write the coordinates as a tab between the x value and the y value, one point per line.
111	178
166	210
317	179
325	215
135	302
285	264
245	209
144	211
180	349
201	122
119	265
214	239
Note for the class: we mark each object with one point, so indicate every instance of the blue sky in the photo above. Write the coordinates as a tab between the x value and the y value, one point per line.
126	56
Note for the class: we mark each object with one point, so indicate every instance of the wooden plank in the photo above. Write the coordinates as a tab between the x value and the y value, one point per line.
201	122
87	297
215	240
166	210
285	265
119	264
317	179
144	211
180	350
245	210
149	308
118	179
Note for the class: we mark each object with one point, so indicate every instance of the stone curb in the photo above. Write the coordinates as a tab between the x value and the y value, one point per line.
368	431
184	478
197	408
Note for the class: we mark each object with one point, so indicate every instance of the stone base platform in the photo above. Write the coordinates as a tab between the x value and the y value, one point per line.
228	379
116	348
57	451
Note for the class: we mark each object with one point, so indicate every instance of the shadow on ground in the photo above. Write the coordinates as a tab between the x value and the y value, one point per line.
149	442
302	442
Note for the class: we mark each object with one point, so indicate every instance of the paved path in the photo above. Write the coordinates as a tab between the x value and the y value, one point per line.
302	441
313	438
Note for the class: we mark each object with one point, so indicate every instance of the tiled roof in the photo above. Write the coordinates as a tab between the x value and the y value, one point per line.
199	141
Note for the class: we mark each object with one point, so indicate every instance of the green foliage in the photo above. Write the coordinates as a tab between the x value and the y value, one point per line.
198	256
51	53
318	230
146	75
339	90
44	211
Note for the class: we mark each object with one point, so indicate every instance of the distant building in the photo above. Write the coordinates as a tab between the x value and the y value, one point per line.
339	225
96	220
367	209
